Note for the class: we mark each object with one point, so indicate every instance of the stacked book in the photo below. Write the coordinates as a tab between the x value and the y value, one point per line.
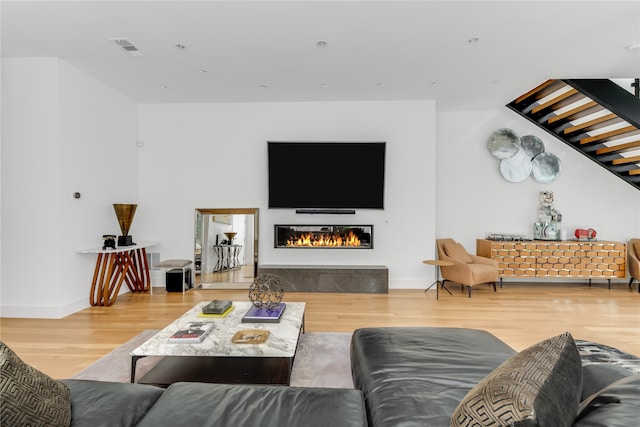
217	308
264	315
191	333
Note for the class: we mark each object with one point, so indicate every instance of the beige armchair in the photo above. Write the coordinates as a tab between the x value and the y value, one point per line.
633	261
468	270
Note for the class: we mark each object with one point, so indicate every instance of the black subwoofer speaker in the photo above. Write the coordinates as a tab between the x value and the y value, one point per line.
174	280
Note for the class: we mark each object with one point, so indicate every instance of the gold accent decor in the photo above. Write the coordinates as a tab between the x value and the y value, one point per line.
250	336
125	213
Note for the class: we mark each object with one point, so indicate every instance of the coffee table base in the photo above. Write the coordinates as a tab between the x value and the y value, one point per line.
226	370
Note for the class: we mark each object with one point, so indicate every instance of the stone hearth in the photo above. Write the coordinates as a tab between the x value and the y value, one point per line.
331	278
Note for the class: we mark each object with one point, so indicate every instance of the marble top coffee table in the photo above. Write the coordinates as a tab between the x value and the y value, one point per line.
217	358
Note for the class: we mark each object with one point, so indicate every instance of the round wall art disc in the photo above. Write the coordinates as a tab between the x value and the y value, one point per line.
545	167
532	145
516	168
503	143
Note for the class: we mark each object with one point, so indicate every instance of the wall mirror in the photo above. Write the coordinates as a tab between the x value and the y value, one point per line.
226	248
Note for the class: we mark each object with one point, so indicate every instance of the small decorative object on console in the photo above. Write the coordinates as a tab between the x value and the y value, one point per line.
109	241
548	226
230	235
266	291
192	333
125	213
587	234
508	238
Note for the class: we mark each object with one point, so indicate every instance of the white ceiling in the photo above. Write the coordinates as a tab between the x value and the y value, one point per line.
376	50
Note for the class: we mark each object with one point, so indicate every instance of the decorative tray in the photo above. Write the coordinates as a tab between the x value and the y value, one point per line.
250	336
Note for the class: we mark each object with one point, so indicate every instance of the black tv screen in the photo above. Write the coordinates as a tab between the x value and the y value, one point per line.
326	175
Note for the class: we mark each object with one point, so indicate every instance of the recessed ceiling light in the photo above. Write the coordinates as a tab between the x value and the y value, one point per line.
496	82
473	40
321	44
164	88
180	46
634	45
203	71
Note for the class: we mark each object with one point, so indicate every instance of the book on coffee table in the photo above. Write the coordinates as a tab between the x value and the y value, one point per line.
264	315
217	316
191	333
216	307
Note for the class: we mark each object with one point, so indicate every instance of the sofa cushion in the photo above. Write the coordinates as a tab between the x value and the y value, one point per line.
29	397
540	386
636	247
617	405
597	376
109	404
209	405
456	251
415	376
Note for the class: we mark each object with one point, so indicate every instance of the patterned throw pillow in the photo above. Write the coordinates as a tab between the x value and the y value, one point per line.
540	386
29	397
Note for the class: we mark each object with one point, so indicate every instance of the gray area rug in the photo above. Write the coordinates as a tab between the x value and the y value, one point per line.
322	360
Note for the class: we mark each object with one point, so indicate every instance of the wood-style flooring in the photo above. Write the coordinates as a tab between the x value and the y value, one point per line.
519	314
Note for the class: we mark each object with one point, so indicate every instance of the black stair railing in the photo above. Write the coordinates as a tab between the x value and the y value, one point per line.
596	117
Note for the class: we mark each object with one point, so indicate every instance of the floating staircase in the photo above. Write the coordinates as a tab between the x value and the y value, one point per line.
594	116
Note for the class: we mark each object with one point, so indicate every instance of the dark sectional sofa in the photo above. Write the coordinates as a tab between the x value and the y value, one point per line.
423	376
28	397
403	377
105	404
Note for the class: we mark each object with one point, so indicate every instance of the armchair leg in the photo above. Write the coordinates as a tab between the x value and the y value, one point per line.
469	291
444	287
494	286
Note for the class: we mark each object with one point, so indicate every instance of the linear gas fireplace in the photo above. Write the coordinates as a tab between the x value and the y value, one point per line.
324	236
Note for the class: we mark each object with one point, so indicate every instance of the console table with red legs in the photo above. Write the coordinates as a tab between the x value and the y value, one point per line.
113	267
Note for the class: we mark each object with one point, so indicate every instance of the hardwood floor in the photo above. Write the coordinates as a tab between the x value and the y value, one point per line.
521	315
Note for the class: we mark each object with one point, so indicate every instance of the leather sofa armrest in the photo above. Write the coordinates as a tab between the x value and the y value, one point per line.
102	403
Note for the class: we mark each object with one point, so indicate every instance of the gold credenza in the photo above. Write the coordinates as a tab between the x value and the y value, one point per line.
541	258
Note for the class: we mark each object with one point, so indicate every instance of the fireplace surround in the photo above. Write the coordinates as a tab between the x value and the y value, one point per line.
323	236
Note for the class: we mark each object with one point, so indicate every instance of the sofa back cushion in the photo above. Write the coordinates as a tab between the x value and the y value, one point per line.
540	386
29	397
617	405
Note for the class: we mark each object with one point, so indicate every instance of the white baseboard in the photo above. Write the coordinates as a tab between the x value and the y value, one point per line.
43	312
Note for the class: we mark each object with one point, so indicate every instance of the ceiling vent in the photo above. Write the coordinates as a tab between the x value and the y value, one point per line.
127	46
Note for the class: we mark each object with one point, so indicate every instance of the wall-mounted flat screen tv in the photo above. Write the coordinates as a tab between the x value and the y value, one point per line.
326	175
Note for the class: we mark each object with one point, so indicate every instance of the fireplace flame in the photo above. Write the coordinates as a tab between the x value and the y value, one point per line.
327	240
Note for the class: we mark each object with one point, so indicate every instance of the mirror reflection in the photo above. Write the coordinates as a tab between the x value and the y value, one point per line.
226	248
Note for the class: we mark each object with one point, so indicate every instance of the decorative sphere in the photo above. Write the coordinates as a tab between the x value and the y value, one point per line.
266	291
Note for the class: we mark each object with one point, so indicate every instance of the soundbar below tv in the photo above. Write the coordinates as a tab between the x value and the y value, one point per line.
326	175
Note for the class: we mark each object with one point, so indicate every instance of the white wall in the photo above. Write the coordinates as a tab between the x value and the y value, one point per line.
474	200
62	131
215	156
